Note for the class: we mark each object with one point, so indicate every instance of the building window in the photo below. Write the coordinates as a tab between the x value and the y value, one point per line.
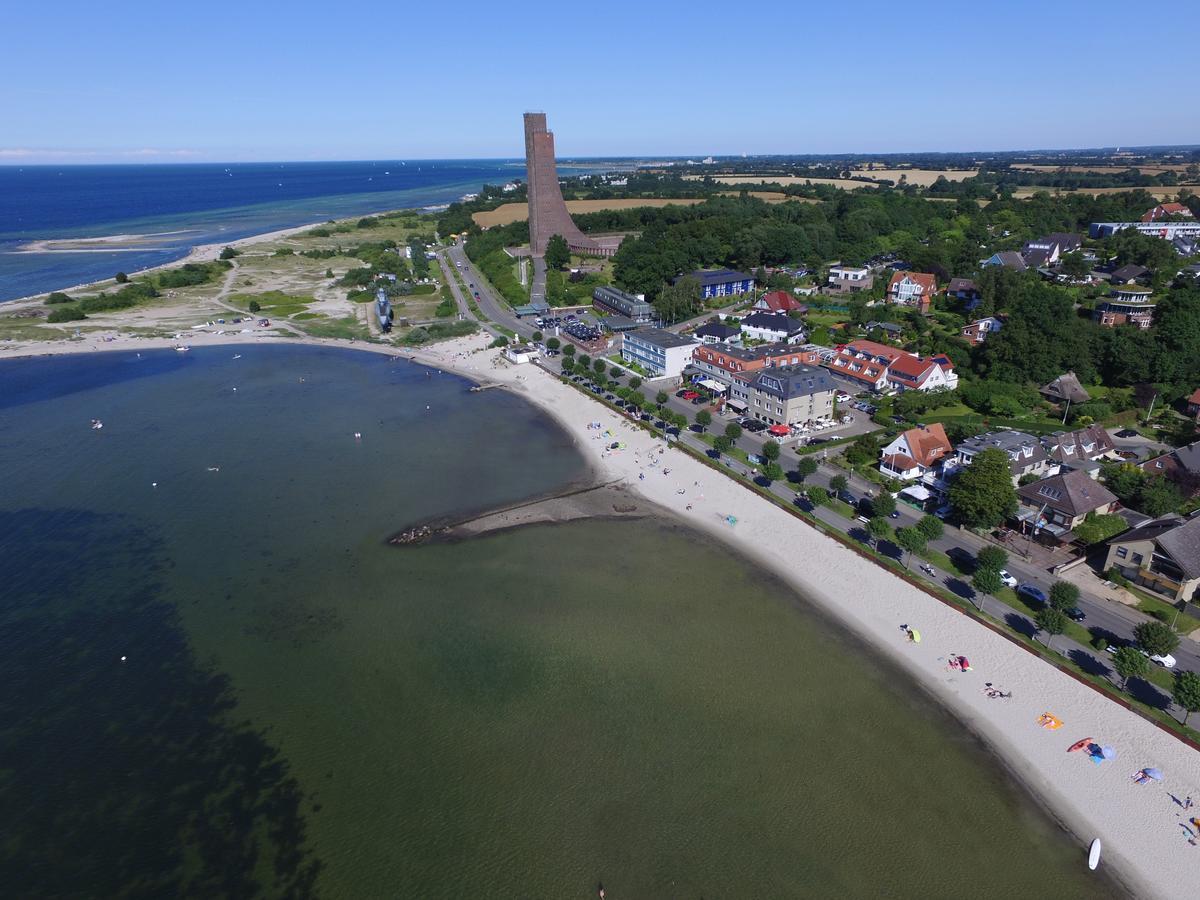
1122	552
1137	559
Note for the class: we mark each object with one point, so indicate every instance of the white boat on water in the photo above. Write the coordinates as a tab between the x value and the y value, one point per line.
183	348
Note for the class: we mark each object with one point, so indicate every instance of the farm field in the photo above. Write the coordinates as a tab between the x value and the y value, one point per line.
919	177
519	212
783	180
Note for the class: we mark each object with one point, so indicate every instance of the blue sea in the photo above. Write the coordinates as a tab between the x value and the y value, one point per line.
181	206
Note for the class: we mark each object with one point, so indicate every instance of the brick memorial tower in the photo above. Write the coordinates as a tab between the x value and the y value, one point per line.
548	214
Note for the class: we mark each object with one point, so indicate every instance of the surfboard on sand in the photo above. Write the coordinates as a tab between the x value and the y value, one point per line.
1094	854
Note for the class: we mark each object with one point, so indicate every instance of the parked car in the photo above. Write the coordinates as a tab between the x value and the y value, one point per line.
1008	579
1034	593
1127	433
1167	661
754	426
1075	614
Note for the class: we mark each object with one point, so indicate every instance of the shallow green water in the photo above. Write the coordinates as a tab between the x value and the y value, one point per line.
305	711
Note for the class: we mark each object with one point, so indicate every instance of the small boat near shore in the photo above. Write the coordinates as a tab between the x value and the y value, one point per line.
182	348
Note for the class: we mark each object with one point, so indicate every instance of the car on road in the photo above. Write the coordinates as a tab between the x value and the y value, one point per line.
689	395
1034	593
1075	614
1008	579
895	514
698	399
1167	661
1127	433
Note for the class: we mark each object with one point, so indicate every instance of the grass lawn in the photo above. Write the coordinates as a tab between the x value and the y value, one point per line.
347	328
275	303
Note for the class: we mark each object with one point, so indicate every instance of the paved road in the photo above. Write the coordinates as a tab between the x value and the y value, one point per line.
492	306
1108	617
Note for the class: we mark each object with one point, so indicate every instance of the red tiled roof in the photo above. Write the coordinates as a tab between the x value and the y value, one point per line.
927	281
899	462
874	348
929	443
1166	209
782	301
1195	398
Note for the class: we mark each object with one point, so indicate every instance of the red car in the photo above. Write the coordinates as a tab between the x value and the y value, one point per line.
689	395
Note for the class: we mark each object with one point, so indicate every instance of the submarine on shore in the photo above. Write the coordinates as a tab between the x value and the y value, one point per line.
383	310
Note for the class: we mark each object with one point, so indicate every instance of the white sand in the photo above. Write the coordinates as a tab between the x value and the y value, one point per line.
1138	824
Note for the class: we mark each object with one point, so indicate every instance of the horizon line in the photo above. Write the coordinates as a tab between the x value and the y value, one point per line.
171	159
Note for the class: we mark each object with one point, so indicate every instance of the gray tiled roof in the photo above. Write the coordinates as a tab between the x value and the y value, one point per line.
792	381
1183	544
1074	493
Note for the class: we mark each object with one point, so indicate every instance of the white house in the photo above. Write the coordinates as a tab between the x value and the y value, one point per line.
773	327
520	353
657	351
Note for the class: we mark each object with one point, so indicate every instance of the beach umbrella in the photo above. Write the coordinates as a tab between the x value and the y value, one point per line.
1154	773
916	635
1108	752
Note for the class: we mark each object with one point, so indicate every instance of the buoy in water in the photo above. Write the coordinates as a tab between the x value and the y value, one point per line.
122	659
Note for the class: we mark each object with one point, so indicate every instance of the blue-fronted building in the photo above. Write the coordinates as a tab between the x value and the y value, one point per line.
721	282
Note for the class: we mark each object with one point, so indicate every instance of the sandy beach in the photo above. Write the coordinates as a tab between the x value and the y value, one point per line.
1142	827
132	242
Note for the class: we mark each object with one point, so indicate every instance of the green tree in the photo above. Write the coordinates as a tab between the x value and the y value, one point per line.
772	471
806	466
680	300
879	528
983	496
638	399
986	581
660	399
704	419
816	495
229	253
569	350
733	431
1075	266
771	451
599	367
558	254
838	484
883	503
121	278
1052	621
329	273
1158	496
567	365
1129	663
1155	638
616	371
680	420
911	541
991	557
635	382
537	336
553	343
1187	692
931	527
1064	595
254	306
722	444
585	361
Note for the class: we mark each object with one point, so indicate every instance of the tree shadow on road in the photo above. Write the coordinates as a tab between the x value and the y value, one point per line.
1021	625
1089	663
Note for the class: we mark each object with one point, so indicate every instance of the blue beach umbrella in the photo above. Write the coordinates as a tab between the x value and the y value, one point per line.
1108	752
1154	773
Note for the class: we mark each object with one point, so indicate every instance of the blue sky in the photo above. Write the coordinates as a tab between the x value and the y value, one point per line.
219	81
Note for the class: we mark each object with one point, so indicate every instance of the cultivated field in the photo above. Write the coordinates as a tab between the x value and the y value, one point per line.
783	180
1157	193
919	177
769	196
1103	170
519	212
